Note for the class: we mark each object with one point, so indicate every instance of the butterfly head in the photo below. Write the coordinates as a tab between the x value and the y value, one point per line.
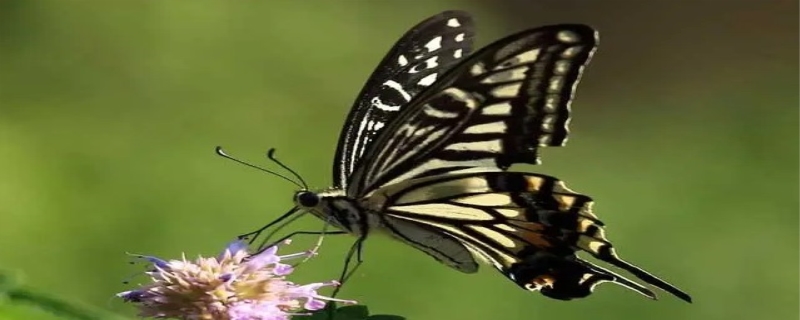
332	206
306	199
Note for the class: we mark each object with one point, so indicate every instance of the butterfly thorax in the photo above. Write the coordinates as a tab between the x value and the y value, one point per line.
335	207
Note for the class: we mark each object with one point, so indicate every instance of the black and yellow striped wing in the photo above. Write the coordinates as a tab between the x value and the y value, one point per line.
414	63
494	109
528	226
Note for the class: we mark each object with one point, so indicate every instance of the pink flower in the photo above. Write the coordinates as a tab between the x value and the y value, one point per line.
233	286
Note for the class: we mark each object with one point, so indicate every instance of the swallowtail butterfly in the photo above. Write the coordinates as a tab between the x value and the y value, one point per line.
425	151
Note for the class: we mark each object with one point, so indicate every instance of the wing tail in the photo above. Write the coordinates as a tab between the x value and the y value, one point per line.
607	254
566	278
590	237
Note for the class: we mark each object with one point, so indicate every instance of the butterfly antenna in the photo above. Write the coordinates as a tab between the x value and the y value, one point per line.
222	153
271	156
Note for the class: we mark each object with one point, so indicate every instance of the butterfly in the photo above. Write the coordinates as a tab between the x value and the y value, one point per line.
426	148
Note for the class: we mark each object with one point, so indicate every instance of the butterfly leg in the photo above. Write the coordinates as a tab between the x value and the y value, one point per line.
355	251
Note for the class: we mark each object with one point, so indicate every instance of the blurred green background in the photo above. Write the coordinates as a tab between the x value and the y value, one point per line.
685	131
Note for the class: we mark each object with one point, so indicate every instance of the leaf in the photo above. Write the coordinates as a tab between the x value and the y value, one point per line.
386	317
356	312
352	312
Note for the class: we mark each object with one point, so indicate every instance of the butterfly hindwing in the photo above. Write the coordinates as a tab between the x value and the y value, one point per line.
566	278
414	63
443	247
494	109
529	226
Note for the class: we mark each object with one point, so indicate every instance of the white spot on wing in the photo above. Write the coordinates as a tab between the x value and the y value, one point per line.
427	80
488	145
461	95
510	213
477	69
399	88
441	189
528	56
430	63
551	102
525	57
504	227
377	103
564	36
515	74
436	113
544	140
444	189
453	22
445	210
507	91
459	37
547	123
434	44
497	109
571	52
555	84
486	199
562	67
402	61
493	127
457	53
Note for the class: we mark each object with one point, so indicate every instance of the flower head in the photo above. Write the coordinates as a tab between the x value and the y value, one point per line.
234	286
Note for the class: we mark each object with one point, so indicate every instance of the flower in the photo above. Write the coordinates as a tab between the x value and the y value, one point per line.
234	286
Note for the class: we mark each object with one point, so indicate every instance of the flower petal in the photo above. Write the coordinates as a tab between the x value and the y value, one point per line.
234	247
282	269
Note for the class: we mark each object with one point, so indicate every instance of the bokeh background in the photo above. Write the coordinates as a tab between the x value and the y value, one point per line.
685	131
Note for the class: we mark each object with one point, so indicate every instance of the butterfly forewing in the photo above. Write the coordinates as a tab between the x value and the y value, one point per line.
494	109
414	63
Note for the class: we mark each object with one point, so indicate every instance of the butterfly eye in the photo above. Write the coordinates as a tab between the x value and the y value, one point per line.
307	199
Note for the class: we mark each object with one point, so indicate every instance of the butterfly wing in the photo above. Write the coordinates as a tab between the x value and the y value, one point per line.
529	226
415	62
493	109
